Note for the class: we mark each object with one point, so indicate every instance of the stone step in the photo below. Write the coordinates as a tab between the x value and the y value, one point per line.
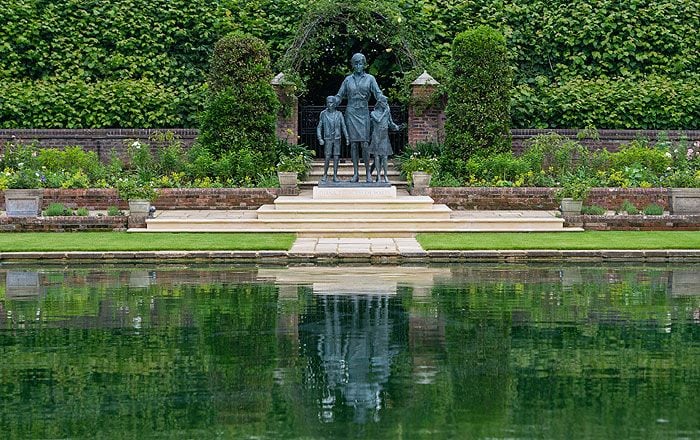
332	212
327	226
293	203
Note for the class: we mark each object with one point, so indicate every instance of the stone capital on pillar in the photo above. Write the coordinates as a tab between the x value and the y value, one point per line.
287	126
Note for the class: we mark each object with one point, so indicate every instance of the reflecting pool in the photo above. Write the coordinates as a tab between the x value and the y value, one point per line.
463	351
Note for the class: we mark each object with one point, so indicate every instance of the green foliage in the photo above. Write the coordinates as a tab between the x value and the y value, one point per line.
422	159
298	163
478	112
70	159
133	188
574	60
332	31
83	212
555	154
628	208
654	102
77	103
241	110
592	210
56	209
114	211
574	186
653	209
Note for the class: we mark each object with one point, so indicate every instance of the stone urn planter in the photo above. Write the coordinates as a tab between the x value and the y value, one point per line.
685	201
570	207
421	180
23	202
288	179
139	207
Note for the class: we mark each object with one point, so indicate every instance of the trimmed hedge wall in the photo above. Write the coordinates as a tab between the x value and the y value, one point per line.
553	45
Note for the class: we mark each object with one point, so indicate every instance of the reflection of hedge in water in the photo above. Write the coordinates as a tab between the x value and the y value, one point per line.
577	342
139	376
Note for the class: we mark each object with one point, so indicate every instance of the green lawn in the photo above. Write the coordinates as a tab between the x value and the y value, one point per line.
561	240
161	241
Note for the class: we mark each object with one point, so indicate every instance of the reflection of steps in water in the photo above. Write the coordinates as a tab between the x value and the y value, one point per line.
362	280
22	285
684	282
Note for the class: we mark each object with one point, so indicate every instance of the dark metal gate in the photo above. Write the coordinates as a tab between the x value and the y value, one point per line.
308	121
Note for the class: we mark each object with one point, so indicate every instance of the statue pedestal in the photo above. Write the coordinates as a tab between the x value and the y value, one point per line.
370	191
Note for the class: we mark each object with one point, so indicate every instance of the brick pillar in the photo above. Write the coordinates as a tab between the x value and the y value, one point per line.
426	122
287	126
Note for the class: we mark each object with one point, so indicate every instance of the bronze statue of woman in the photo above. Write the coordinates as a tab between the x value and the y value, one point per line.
357	88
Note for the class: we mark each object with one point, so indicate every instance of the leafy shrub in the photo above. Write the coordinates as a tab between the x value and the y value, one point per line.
82	212
478	108
653	209
629	208
640	154
298	163
574	186
132	188
592	210
113	211
555	154
71	160
411	162
241	110
56	209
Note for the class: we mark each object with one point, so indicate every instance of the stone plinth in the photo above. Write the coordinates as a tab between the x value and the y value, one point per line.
356	193
426	115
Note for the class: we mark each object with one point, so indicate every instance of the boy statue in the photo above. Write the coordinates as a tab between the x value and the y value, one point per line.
331	125
380	145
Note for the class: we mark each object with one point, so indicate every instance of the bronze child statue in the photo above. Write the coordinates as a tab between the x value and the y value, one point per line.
331	125
380	145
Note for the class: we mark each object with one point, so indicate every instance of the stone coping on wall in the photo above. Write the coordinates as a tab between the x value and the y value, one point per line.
634	222
428	257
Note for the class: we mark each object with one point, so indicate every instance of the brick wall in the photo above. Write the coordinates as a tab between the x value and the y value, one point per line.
101	141
62	224
635	222
169	198
542	198
424	126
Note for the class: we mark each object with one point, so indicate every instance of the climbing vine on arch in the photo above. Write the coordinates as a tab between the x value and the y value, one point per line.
333	30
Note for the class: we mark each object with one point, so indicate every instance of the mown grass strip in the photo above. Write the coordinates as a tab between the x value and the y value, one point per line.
561	240
161	241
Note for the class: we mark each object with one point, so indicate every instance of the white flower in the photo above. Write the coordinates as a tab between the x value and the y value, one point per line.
136	144
668	168
668	154
20	165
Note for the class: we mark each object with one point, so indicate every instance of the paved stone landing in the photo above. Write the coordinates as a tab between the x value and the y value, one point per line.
360	247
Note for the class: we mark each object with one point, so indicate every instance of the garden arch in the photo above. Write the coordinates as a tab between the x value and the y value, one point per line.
318	58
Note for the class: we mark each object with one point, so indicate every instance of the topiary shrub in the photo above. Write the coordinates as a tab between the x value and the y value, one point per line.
478	107
242	106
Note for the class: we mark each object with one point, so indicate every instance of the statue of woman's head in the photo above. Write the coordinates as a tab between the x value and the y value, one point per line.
358	63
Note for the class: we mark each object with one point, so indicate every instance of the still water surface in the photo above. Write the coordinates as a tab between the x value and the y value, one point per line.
462	351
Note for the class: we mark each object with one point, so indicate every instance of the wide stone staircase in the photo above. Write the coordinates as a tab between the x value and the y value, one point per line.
369	211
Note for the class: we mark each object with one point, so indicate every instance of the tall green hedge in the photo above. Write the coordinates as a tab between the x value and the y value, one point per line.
478	104
242	106
552	44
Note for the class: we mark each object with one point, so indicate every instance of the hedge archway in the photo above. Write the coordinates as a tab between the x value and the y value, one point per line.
319	55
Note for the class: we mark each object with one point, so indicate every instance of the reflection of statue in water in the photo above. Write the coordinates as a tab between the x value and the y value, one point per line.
357	88
355	342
